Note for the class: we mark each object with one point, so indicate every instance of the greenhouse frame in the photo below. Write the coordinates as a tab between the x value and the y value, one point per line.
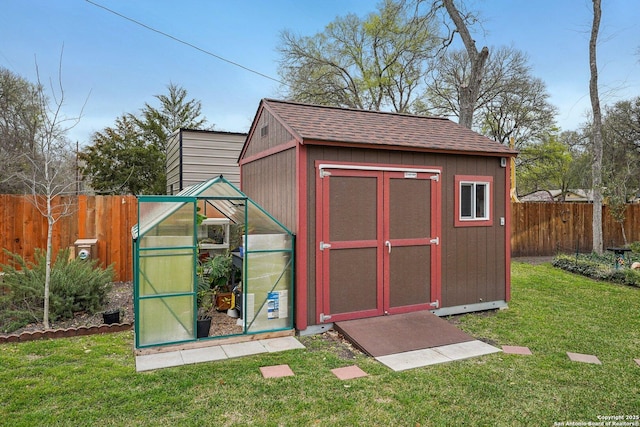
168	253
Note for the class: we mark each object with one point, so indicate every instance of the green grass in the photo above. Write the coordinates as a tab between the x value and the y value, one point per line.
92	380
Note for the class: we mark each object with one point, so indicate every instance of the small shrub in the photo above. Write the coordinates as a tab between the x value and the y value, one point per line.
635	247
598	267
75	286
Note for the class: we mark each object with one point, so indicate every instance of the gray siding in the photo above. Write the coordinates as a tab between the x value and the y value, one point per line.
196	156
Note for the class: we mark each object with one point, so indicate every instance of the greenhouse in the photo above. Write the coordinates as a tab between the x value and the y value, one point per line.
209	263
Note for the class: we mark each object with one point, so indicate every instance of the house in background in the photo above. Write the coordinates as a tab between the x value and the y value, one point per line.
195	156
392	213
574	196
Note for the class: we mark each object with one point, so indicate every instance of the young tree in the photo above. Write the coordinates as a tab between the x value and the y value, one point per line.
375	63
50	171
596	170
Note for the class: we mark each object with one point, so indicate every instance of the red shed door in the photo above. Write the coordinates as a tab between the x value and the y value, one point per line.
378	238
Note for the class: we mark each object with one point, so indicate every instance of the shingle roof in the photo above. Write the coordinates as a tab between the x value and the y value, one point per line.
342	125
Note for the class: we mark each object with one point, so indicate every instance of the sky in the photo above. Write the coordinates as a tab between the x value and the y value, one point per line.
112	66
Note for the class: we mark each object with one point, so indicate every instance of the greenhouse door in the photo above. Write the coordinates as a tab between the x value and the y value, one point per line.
378	244
165	263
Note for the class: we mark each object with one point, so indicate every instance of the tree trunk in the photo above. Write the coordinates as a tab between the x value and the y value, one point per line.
47	271
468	91
596	168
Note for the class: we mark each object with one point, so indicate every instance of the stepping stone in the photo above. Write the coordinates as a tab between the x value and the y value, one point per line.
637	361
584	358
515	349
349	372
276	371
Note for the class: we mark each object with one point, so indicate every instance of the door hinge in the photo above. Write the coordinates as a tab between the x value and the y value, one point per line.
324	246
324	173
435	241
435	304
324	318
435	178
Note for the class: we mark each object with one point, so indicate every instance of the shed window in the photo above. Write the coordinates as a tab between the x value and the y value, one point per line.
473	201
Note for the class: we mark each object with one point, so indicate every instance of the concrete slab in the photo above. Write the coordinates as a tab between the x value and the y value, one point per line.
412	359
160	360
515	349
276	371
205	354
349	372
466	350
243	349
584	358
281	344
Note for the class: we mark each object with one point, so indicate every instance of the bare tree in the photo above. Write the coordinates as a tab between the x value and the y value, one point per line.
50	173
596	169
469	89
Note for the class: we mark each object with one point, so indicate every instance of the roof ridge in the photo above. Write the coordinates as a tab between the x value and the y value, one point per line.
332	107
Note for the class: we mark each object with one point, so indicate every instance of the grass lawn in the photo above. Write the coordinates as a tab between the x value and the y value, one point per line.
92	380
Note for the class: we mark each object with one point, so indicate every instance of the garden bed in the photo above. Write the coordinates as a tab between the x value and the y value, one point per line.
601	267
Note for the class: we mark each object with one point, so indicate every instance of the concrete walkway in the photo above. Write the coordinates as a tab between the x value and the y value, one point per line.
149	362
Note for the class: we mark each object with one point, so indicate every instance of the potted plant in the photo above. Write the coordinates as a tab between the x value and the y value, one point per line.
220	273
205	303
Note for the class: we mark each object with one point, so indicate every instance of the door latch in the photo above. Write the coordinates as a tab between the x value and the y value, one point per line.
324	246
324	317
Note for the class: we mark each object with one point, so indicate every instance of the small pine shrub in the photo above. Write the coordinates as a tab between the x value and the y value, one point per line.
76	286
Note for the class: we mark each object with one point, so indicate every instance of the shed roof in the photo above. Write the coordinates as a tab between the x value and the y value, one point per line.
317	123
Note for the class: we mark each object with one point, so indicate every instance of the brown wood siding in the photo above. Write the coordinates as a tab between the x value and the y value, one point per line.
275	135
473	258
271	182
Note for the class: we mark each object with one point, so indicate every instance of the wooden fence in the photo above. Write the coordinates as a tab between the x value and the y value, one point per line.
537	229
542	229
106	218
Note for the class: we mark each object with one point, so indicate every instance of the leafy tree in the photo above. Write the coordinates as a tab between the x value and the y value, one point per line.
129	158
19	120
550	164
374	63
122	161
175	112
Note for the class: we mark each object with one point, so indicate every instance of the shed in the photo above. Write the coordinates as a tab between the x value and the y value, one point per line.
195	156
392	213
172	279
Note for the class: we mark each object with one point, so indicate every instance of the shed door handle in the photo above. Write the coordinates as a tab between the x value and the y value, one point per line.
388	244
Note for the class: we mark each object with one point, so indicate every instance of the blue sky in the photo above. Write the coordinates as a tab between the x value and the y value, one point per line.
116	66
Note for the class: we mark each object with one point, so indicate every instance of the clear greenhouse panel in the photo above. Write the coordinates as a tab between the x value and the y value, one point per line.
166	261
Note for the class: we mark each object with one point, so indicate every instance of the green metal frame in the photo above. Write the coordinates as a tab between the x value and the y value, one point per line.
193	196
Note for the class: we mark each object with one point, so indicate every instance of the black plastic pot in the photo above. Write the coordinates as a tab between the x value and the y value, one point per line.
112	316
203	326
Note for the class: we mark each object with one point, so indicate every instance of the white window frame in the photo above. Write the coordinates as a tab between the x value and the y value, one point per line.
474	182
